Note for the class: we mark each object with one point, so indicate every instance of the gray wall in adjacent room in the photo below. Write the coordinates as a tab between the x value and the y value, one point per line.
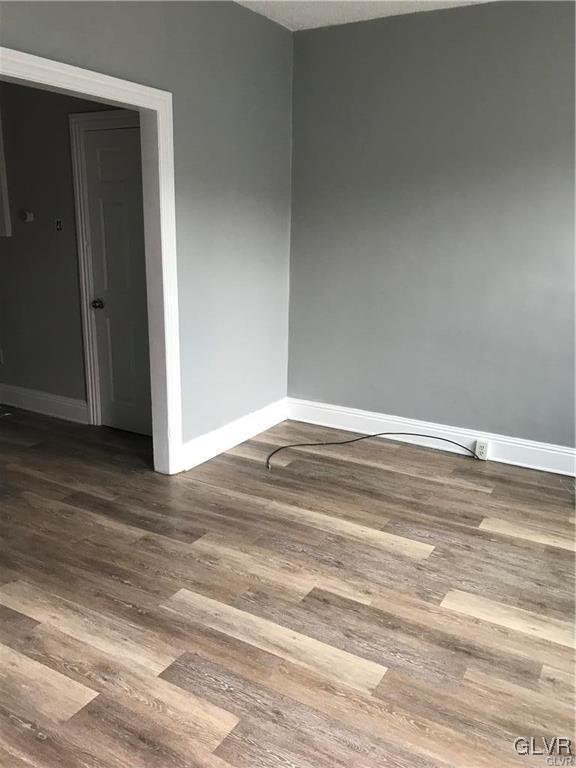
432	236
229	71
40	320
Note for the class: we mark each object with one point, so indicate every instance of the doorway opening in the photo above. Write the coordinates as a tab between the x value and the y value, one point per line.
125	142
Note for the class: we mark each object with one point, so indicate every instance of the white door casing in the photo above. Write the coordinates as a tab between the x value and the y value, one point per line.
5	222
157	142
108	192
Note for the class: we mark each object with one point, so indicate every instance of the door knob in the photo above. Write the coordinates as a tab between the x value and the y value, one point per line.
97	304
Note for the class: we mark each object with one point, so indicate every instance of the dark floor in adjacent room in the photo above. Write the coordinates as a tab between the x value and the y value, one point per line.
364	606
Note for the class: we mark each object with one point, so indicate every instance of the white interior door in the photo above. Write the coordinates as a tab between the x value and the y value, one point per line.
114	228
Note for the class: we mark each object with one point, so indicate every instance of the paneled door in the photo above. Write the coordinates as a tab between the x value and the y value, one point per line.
108	181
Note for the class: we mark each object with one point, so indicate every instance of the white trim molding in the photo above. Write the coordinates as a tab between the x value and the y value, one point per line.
60	407
157	143
5	220
508	450
205	447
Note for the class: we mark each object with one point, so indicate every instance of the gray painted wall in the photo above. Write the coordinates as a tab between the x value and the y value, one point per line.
432	237
230	74
432	266
40	321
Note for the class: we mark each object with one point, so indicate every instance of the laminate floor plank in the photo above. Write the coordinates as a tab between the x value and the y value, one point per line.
363	567
534	708
73	477
122	738
269	718
15	479
11	761
365	454
385	483
498	644
13	625
322	497
37	746
403	732
488	575
280	572
139	517
550	538
491	565
189	719
558	683
32	690
55	517
361	631
288	516
497	713
328	660
235	505
370	605
102	573
111	635
495	472
535	625
152	569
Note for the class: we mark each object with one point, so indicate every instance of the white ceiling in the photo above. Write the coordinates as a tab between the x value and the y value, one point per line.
307	14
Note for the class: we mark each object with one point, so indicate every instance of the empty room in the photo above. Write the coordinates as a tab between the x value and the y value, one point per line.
287	384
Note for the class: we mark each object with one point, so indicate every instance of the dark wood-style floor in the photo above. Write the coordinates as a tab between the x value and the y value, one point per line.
371	606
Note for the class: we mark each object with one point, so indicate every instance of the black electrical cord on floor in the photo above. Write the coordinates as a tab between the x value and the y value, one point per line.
365	437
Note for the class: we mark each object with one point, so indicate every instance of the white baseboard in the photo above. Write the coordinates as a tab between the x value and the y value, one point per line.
508	450
44	402
205	447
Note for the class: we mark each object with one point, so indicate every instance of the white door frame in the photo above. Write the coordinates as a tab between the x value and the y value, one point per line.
79	125
5	222
157	142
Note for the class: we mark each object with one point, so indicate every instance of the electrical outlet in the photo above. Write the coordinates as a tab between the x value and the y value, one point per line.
482	448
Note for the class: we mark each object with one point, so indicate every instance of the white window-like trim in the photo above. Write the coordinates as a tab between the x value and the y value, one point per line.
157	141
